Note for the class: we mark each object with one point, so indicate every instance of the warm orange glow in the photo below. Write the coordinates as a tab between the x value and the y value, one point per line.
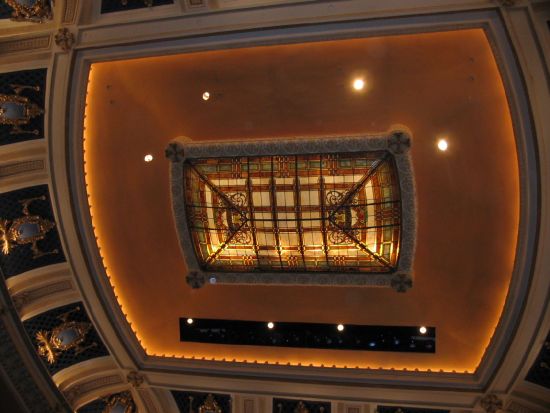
449	292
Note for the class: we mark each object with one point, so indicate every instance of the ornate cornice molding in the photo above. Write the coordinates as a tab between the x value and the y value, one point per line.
40	42
77	392
22	167
70	11
28	297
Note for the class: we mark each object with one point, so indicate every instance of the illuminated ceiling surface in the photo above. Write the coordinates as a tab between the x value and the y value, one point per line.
467	197
337	212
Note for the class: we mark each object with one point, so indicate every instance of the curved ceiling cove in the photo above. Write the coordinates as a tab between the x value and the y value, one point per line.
443	85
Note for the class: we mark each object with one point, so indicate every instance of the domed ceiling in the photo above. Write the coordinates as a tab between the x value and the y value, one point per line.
442	85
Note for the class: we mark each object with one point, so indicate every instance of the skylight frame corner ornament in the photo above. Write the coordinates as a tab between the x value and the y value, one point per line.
338	210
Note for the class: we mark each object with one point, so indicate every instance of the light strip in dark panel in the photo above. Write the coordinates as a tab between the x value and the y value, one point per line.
308	335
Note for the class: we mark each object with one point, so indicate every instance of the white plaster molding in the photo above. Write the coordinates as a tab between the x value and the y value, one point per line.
25	44
40	290
89	380
166	401
22	163
147	397
516	406
306	389
70	11
530	394
530	321
123	30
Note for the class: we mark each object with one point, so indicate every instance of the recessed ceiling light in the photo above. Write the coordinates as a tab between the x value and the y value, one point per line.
148	158
340	327
189	321
423	330
270	325
206	96
359	84
442	145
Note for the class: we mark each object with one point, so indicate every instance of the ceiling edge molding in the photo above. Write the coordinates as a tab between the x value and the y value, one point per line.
90	380
526	85
42	289
27	44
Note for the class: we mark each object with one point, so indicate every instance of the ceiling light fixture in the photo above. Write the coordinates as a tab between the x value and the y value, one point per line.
423	330
442	145
340	327
189	321
148	158
205	96
270	325
359	84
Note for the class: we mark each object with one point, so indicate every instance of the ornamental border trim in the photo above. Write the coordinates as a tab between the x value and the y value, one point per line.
397	142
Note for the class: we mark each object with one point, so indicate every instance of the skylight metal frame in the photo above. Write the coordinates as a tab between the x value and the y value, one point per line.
392	147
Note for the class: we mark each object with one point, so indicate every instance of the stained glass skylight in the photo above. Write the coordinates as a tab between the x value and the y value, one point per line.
295	213
319	213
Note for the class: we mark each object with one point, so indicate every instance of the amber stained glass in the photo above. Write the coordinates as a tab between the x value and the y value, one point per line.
303	213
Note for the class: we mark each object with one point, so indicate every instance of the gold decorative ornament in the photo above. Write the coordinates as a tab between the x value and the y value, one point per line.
25	230
210	405
69	335
37	12
120	403
301	408
17	110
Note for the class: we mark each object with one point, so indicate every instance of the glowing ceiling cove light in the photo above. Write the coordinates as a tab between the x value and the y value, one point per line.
148	157
206	96
189	321
340	327
270	325
423	330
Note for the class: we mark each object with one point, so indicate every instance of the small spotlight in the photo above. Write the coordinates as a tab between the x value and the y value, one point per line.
270	325
340	327
358	84
148	157
206	96
189	321
442	145
423	330
213	280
